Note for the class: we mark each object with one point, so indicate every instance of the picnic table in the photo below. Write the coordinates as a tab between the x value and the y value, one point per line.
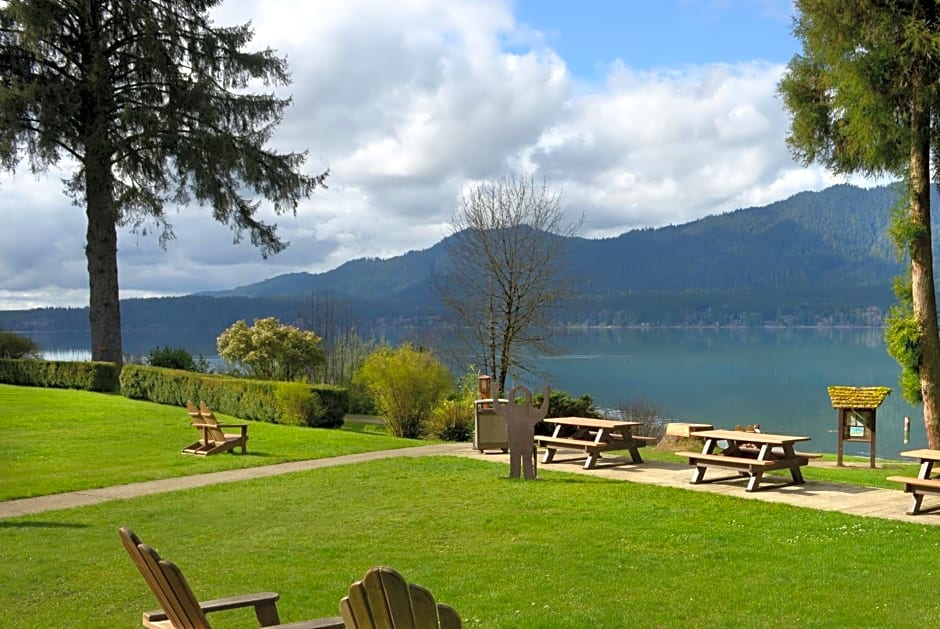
750	453
923	483
593	436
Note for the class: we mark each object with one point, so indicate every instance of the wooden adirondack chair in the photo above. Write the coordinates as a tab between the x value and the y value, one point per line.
212	438
181	609
384	600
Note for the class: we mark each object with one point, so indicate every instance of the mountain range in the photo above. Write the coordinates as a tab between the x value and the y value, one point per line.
816	258
823	255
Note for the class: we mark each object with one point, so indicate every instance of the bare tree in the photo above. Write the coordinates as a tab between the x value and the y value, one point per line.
334	319
506	272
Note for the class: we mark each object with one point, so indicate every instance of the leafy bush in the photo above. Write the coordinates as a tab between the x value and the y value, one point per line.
176	358
561	404
15	346
360	402
259	400
89	376
405	383
452	419
296	402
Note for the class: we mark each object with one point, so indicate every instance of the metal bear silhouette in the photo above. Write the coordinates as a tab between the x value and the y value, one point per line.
520	428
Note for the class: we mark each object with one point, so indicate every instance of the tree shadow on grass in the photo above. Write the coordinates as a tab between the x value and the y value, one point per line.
41	525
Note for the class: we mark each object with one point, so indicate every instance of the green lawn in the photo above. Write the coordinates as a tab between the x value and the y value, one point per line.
567	551
57	440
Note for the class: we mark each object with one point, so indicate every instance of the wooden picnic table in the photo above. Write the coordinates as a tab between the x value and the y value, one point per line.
750	453
593	436
924	483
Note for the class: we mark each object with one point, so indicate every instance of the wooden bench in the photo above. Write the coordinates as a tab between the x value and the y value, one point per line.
589	446
924	482
733	462
917	487
809	455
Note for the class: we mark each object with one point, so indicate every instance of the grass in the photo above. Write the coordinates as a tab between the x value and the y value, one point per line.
57	440
567	551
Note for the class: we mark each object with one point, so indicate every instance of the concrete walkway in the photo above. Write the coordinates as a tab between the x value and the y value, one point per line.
864	501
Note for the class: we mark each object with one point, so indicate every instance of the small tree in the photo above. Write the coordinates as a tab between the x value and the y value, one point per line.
271	350
406	384
506	272
15	346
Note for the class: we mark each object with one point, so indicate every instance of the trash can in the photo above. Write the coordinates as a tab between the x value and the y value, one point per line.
489	429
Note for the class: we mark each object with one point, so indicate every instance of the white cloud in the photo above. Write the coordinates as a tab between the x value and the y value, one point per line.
406	102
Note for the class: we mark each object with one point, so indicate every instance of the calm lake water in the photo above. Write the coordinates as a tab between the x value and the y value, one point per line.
774	377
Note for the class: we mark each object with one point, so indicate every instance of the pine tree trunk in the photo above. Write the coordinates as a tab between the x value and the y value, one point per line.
922	281
104	311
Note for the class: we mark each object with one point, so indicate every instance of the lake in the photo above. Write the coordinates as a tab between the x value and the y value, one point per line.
777	378
770	376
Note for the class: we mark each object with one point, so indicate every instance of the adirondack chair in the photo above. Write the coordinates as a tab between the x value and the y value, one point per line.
212	439
181	609
384	600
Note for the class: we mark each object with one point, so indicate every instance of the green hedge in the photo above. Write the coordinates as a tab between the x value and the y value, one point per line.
320	406
61	374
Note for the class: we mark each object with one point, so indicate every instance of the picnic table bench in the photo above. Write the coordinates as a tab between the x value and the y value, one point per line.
749	453
923	483
593	436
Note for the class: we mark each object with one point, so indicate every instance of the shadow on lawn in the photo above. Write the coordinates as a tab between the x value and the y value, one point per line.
41	525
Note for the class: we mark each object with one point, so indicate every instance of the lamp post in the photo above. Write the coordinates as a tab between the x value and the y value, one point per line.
483	384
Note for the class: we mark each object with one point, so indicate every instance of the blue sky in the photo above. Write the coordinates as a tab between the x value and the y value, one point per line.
641	113
655	34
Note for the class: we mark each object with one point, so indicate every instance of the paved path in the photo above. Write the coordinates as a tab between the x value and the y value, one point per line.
865	501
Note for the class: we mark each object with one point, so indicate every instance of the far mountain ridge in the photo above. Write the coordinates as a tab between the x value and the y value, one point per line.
812	238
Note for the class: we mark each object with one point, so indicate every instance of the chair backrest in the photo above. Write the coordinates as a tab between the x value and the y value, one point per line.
194	413
167	583
384	600
215	433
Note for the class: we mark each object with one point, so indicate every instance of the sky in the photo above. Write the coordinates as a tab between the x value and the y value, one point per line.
640	114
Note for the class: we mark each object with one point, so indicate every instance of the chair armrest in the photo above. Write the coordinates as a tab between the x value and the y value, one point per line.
233	425
265	600
265	604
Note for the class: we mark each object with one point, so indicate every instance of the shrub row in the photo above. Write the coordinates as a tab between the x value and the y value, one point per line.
89	376
294	403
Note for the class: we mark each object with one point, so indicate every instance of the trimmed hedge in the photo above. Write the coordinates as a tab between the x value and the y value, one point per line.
314	405
60	374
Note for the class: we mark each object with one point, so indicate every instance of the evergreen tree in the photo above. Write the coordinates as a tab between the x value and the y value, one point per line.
864	99
152	104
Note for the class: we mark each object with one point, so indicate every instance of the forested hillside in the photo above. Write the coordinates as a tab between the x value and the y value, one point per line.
815	258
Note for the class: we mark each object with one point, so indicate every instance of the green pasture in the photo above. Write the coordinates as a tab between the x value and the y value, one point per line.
567	551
